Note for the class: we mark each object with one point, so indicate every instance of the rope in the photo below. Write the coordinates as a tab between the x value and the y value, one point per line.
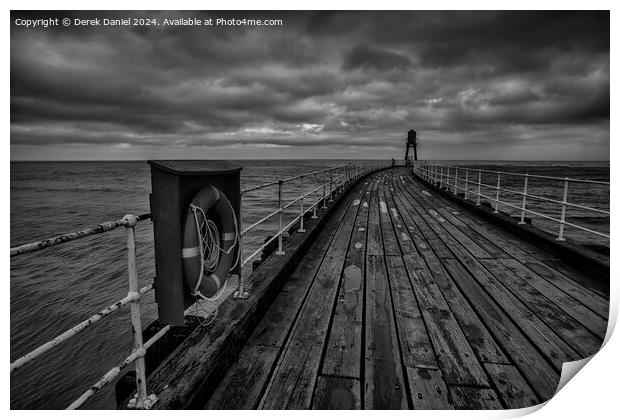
210	249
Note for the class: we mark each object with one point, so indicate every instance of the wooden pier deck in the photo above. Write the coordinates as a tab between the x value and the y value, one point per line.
406	301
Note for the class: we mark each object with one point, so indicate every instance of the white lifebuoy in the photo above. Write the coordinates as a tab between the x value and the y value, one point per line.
203	281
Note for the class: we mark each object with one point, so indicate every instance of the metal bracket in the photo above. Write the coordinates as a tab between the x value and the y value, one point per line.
238	294
147	404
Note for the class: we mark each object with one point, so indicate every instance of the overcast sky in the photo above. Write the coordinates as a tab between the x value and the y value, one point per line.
475	85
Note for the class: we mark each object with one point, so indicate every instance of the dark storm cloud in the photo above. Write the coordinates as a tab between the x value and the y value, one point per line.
364	57
327	79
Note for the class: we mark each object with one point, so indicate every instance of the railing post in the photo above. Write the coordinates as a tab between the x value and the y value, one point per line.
324	181
456	179
280	251
563	214
136	317
301	211
522	221
331	185
479	183
241	292
441	179
497	193
466	182
316	202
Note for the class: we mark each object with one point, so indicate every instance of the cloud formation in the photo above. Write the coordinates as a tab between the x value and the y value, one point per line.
496	85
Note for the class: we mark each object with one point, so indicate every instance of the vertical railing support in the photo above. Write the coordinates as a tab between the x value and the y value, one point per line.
466	182
563	214
479	184
497	193
301	204
441	179
522	221
280	251
331	185
241	292
324	181
136	318
315	203
456	179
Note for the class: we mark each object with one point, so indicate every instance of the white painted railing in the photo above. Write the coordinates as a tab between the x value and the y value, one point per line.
469	182
134	295
330	182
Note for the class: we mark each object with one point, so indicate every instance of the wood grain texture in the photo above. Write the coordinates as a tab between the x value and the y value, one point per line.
407	301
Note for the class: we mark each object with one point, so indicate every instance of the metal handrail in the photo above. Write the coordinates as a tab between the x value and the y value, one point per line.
328	187
134	295
555	178
68	237
272	183
441	175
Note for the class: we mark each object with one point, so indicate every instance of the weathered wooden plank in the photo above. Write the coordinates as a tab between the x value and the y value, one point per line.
512	389
423	235
463	239
480	339
467	398
246	390
275	325
374	245
386	214
334	393
384	385
517	247
542	303
344	346
416	347
587	297
293	380
456	358
428	389
242	387
482	241
474	226
594	285
544	337
538	260
535	367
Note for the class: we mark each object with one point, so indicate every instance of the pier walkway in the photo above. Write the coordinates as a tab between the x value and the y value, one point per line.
405	300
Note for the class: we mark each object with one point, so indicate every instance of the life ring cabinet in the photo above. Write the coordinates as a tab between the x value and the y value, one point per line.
175	186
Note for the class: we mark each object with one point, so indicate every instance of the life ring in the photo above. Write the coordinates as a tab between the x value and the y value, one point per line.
204	281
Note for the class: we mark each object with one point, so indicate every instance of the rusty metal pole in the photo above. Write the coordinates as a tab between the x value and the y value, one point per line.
479	183
331	185
456	179
240	293
563	214
522	221
136	318
466	181
314	194
301	211
280	251
497	193
324	181
441	179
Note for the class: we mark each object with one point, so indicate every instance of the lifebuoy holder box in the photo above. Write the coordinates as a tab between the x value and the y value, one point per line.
173	185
